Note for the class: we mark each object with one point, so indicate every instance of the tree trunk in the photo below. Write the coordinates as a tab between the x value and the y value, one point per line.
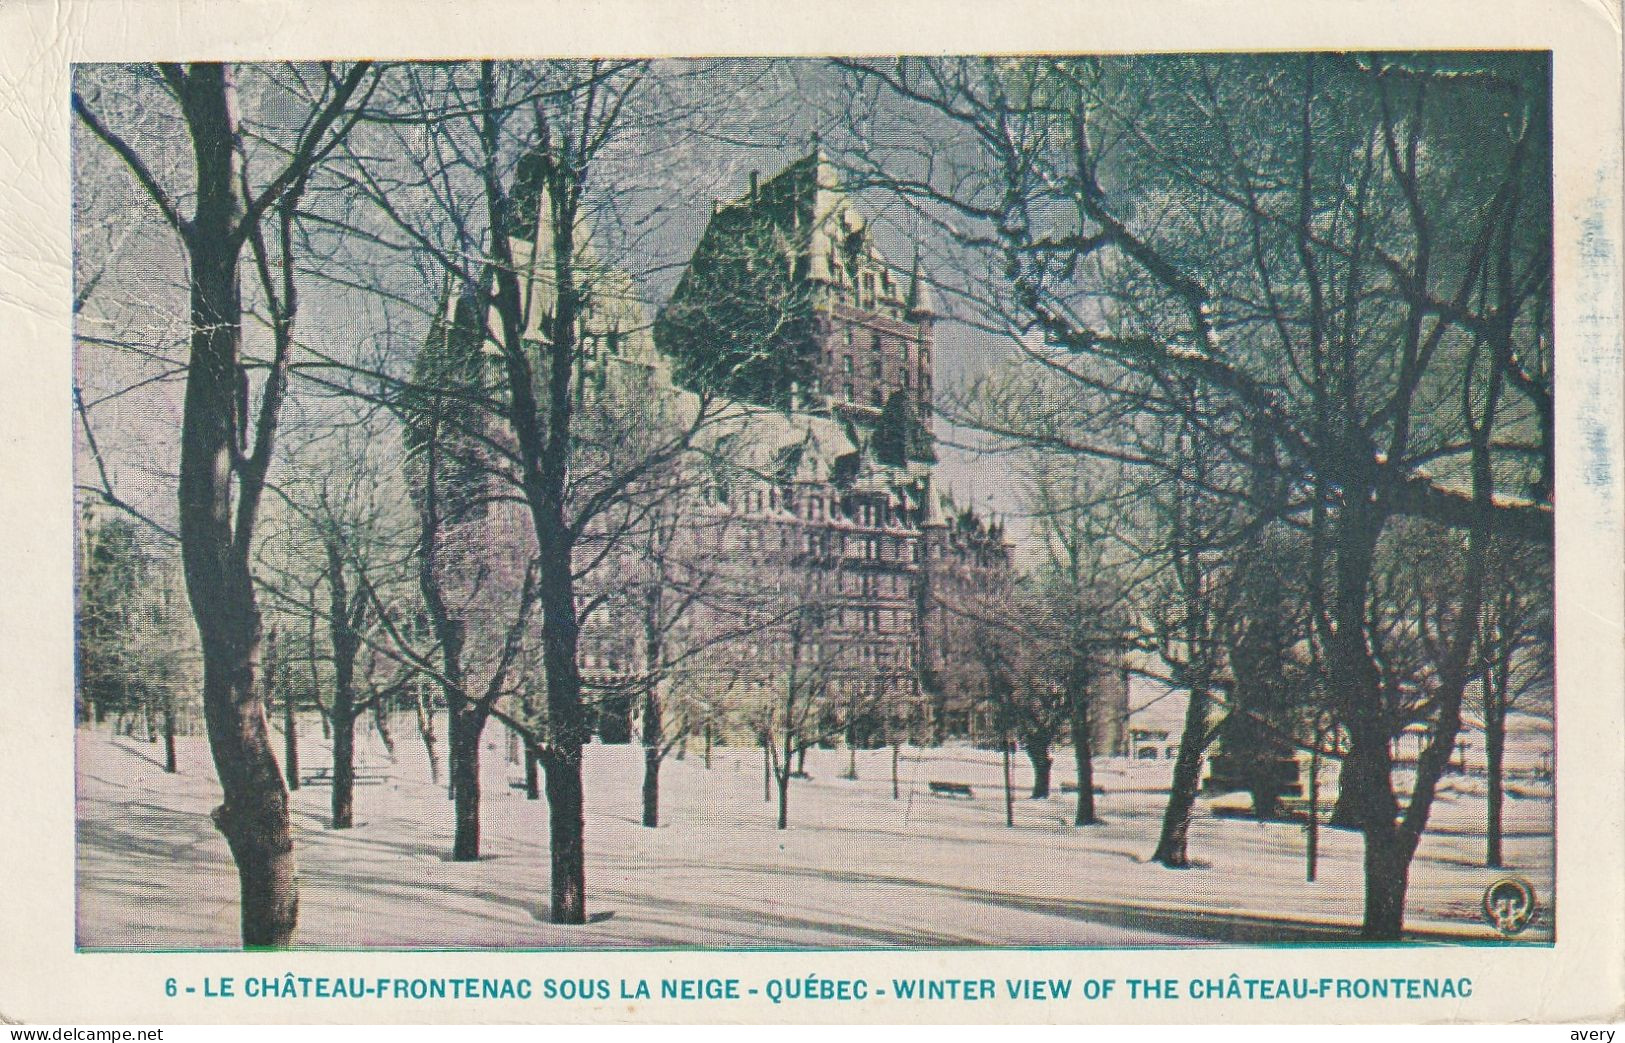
1345	810
1266	795
425	716
451	755
1009	788
380	721
290	739
1387	877
567	836
467	722
1366	800
782	770
1495	734
565	714
1083	758
533	782
253	815
1494	755
1368	797
1038	753
169	736
651	787
343	764
767	774
1172	846
653	753
1247	744
1259	649
343	619
894	789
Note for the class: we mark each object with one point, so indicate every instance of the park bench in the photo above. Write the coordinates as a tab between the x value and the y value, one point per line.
950	789
1072	787
324	777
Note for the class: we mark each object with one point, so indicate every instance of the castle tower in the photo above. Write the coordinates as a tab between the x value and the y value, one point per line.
788	302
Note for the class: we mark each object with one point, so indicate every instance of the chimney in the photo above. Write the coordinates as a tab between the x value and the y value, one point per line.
753	176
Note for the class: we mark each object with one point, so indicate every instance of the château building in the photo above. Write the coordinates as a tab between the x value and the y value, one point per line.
789	305
816	504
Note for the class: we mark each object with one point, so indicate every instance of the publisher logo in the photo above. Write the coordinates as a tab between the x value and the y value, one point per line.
1509	905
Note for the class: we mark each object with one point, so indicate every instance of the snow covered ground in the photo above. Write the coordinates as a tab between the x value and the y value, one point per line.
855	869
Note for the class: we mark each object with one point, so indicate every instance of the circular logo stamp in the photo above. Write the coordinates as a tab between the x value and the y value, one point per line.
1509	904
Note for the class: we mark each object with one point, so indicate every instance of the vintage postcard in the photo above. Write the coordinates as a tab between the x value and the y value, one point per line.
715	513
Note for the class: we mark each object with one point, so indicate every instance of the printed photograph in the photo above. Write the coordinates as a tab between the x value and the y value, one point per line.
1095	501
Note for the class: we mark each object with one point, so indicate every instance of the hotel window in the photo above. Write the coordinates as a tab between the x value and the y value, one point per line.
846	364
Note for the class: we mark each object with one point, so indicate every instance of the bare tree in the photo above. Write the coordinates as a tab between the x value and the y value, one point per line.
1395	256
1083	595
517	166
795	662
344	527
1516	647
680	598
225	453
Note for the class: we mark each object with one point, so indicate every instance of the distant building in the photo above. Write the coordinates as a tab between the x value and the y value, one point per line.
789	305
821	354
